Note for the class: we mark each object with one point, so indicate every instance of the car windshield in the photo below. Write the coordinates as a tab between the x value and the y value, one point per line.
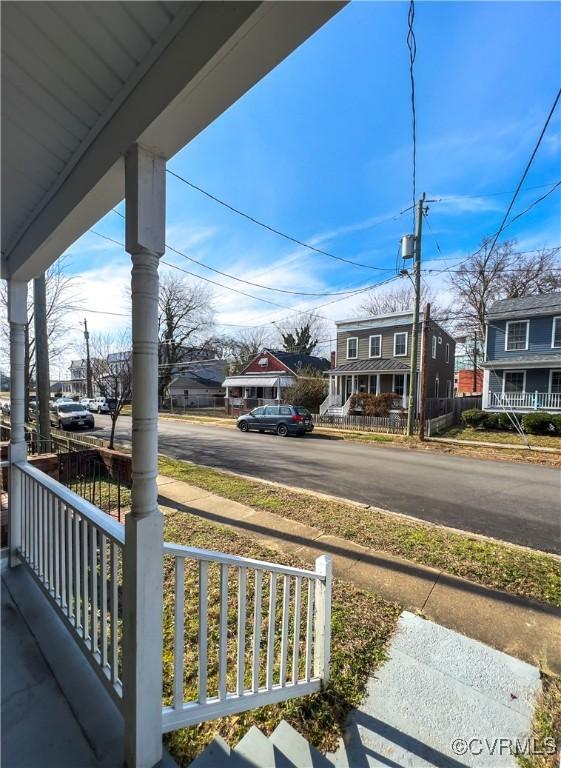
70	407
301	411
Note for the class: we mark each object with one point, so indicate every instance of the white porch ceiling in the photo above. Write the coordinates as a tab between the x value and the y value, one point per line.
82	81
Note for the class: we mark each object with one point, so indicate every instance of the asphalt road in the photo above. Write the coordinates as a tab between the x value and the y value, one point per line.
520	503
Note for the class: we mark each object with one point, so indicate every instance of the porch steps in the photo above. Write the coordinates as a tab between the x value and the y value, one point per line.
284	748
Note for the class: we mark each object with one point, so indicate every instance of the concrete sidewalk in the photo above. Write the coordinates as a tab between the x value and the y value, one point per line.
528	630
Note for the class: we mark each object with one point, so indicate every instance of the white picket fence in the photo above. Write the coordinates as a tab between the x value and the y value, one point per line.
392	424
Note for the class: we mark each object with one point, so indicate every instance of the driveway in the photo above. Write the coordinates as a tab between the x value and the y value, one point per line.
520	503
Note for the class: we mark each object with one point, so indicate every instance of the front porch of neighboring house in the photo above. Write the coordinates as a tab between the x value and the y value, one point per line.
243	393
522	389
102	581
343	385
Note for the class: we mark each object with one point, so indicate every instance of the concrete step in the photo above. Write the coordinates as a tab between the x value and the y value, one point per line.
285	748
260	751
296	748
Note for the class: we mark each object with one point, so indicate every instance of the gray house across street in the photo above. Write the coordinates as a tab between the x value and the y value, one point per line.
373	355
522	368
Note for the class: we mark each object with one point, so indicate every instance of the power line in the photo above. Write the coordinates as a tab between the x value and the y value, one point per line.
278	232
526	170
491	194
250	282
412	46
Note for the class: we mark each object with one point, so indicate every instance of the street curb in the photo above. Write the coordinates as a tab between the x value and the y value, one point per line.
360	505
507	446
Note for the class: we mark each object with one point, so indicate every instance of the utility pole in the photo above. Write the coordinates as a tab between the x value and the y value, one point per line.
415	329
474	390
424	371
89	388
42	363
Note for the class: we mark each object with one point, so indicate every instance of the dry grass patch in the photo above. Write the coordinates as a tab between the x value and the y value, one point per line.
362	624
503	566
546	727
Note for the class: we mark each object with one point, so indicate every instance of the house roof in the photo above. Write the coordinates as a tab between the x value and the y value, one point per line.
295	361
371	366
524	361
528	306
190	378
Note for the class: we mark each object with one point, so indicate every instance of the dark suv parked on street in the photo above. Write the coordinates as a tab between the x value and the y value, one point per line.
282	419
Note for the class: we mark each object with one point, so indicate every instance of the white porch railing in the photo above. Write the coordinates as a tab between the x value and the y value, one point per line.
332	400
525	400
277	650
75	553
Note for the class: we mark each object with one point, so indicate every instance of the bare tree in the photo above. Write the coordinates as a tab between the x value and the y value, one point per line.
112	373
501	274
186	319
304	332
400	299
241	349
62	299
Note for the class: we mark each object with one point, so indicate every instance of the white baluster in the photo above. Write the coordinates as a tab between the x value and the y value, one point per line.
203	631
179	632
241	630
93	576
284	634
256	631
271	632
223	632
114	613
296	647
85	582
309	630
104	644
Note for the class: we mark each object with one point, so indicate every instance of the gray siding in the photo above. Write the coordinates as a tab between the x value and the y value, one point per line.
539	339
438	367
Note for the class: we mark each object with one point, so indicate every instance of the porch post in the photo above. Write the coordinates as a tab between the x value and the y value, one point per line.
17	317
378	384
405	390
143	572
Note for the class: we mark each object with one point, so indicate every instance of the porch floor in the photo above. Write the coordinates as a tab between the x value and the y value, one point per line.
54	711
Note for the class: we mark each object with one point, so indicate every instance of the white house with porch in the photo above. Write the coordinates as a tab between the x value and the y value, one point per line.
97	97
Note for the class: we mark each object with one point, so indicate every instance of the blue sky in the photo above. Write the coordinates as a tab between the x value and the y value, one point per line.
321	148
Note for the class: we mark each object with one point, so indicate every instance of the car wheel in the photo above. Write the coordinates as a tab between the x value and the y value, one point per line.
282	430
243	426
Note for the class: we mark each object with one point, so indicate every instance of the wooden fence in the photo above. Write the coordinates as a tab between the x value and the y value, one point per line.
393	424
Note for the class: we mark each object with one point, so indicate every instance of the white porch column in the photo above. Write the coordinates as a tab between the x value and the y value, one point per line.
405	390
17	317
143	572
378	384
485	393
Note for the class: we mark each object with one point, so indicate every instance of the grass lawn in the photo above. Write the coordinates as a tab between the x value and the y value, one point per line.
507	567
501	436
546	727
362	624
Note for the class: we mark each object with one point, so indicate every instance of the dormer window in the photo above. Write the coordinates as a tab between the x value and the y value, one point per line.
263	362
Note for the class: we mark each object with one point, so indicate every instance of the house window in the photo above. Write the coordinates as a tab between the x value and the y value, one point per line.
448	388
375	346
434	347
514	381
436	386
352	348
555	382
400	344
447	358
556	334
398	383
516	335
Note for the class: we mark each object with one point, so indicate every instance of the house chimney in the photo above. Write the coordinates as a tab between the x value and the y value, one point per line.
333	359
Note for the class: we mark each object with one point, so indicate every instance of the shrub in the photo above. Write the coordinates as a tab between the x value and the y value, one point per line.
491	421
474	417
375	405
538	423
309	391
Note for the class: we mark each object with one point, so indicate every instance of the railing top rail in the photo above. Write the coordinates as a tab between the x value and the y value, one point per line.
103	522
178	550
